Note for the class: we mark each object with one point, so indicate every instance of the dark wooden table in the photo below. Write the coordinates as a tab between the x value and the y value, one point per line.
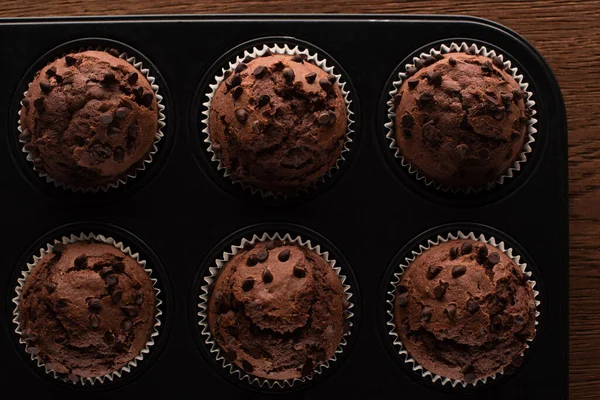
567	33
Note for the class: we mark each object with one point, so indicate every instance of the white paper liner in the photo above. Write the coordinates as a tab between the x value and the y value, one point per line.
500	245
146	161
259	52
214	347
125	249
529	104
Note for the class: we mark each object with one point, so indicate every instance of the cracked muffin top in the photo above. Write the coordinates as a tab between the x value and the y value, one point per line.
87	309
277	310
460	119
88	119
278	122
464	310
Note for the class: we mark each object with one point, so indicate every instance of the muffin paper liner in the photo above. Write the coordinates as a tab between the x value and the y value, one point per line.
149	158
214	348
259	52
416	367
78	238
529	104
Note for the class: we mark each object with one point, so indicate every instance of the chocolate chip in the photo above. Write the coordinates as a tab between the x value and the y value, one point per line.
32	350
262	255
132	77
458	270
70	60
425	314
60	303
235	80
472	50
452	61
453	252
440	290
116	296
410	71
494	258
412	83
257	127
307	368
94	304
498	113
130	311
111	279
109	338
122	112
240	67
25	102
106	119
80	260
450	311
119	267
332	117
518	361
470	377
484	154
403	299
51	71
466	248
246	366
472	306
434	78
288	75
323	118
46	87
138	298
58	248
408	121
299	272
506	99
94	321
260	71
251	261
248	284
420	63
482	250
113	131
230	355
429	60
241	115
109	78
487	67
50	287
39	103
147	99
237	92
497	61
263	100
433	271
297	58
424	99
114	52
496	324
310	77
284	255
127	325
267	276
325	84
267	53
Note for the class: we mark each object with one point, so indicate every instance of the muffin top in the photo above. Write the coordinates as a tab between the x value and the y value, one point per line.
89	119
277	310
461	119
464	310
278	122
87	309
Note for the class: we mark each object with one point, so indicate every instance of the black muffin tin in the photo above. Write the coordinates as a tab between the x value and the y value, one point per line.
179	213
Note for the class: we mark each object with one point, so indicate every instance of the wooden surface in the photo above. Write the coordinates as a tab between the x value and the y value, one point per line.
567	33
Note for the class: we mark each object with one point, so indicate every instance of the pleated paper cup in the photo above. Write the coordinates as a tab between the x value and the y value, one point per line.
218	353
33	352
473	49
397	278
142	165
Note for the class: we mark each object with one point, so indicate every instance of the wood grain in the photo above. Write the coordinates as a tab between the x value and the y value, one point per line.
567	33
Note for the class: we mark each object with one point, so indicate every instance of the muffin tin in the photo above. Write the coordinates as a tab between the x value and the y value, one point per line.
370	212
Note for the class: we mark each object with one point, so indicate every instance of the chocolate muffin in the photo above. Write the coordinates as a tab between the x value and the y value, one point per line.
89	119
461	119
87	309
464	310
277	311
278	123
